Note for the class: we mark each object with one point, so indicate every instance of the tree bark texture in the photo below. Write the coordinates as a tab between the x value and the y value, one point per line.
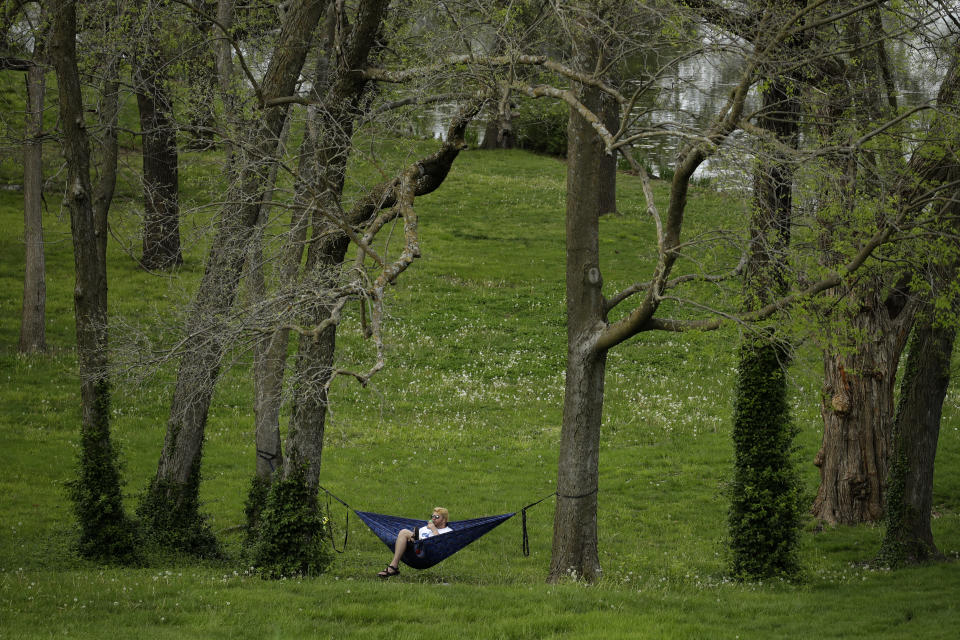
270	353
270	357
857	406
89	234
178	469
269	362
607	190
498	134
33	315
764	277
909	538
574	553
764	517
328	245
161	189
857	403
104	525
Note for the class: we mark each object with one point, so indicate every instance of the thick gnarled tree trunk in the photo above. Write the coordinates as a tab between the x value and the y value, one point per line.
857	403
857	406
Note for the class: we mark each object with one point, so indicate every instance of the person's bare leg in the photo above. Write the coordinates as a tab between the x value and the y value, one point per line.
403	539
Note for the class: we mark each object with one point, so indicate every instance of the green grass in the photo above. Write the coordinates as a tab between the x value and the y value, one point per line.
466	416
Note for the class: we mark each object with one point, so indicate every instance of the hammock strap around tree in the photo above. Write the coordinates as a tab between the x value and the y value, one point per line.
346	524
523	523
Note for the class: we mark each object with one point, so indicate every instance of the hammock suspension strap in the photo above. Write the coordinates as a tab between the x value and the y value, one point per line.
523	521
523	514
346	524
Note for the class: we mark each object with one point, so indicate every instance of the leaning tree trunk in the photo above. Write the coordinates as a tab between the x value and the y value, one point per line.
326	251
270	353
574	552
857	406
161	203
315	354
909	538
269	359
105	531
171	504
33	316
328	245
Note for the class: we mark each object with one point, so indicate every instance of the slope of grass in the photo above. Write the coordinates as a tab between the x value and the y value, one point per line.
467	416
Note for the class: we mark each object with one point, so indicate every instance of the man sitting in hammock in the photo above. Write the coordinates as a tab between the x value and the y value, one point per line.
436	526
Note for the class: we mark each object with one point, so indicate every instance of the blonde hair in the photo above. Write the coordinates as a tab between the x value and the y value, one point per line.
443	513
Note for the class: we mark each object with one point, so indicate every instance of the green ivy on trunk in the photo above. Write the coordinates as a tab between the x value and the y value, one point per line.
765	510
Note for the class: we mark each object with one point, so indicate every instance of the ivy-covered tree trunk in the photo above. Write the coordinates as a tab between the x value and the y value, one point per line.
909	538
764	518
765	509
33	315
105	531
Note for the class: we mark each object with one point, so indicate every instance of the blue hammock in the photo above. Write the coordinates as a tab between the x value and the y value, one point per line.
422	554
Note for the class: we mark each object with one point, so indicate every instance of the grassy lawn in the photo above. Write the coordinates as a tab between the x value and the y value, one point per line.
467	416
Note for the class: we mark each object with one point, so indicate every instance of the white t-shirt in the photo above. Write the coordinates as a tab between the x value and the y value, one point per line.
427	532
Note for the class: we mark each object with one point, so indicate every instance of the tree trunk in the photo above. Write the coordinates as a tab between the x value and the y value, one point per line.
325	252
909	538
171	502
161	223
574	552
33	318
495	137
857	403
105	530
328	244
498	133
270	357
764	277
270	354
607	190
764	518
858	408
269	362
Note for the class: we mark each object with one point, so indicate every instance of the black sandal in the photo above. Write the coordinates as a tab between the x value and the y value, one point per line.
389	571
